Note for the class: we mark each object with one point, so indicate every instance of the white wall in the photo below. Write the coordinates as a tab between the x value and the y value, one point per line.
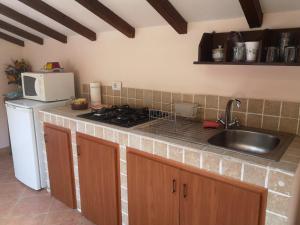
8	52
159	58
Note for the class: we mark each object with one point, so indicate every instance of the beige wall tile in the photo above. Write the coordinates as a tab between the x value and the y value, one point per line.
240	116
211	162
223	102
103	90
280	182
109	90
254	174
148	98
167	107
139	93
187	98
135	141
124	101
117	93
161	149
243	107
117	101
255	106
147	145
139	103
254	120
273	219
157	96
290	109
288	125
124	92
278	204
270	123
157	105
200	114
131	102
211	114
212	101
131	93
176	97
85	88
110	100
231	168
122	138
176	153
167	97
192	157
272	108
200	100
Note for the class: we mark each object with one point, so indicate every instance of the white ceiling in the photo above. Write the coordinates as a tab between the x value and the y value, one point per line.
139	13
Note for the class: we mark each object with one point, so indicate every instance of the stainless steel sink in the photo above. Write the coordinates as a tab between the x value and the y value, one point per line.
268	145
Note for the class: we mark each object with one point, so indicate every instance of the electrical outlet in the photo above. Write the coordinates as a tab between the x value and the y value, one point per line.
117	86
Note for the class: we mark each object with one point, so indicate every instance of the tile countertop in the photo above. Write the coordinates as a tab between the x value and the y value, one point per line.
288	163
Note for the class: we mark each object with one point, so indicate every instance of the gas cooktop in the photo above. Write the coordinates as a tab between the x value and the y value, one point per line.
123	116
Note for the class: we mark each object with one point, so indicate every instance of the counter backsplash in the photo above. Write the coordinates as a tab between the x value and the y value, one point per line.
257	113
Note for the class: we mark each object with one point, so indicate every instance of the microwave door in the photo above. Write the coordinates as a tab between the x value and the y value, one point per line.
30	86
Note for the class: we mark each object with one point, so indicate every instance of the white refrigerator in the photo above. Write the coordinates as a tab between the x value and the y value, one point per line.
26	142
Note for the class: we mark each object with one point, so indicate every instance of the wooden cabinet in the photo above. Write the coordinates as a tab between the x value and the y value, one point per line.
163	192
60	164
98	165
153	192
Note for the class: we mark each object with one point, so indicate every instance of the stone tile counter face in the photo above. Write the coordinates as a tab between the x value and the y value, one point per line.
278	177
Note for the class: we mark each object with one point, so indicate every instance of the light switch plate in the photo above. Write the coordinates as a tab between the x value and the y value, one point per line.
117	86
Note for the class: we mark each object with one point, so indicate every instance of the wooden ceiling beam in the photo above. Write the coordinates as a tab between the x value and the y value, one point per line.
11	39
253	12
20	32
108	16
61	18
8	12
170	14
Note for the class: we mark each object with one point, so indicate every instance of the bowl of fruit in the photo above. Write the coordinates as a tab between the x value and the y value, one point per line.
79	104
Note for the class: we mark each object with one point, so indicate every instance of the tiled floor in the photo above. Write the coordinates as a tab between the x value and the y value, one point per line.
20	205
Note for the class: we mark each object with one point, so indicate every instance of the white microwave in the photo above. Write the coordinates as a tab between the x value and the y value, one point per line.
48	87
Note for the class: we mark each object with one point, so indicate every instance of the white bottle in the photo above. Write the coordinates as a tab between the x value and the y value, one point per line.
95	93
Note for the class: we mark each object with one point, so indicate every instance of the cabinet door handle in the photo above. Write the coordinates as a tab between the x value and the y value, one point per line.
174	184
78	150
185	191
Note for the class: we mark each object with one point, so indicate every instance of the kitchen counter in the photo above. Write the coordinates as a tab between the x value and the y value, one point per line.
288	163
278	177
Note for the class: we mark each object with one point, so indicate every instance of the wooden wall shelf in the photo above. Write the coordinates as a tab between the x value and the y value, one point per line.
266	37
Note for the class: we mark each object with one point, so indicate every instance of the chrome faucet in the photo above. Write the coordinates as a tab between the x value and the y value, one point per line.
228	123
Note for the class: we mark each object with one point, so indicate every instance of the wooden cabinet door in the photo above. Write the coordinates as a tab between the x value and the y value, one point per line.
98	165
214	200
60	164
153	191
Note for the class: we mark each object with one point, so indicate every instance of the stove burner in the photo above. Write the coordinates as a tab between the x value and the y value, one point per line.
124	115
